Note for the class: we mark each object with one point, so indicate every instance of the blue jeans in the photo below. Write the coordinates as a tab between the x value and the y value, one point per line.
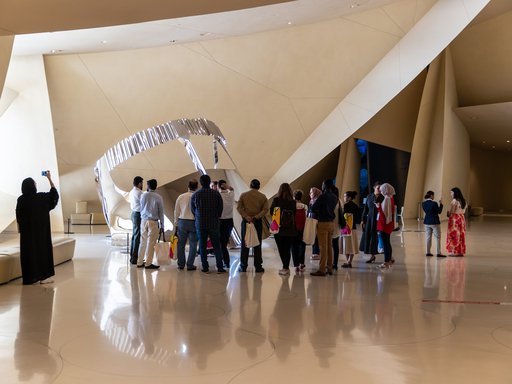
214	234
186	230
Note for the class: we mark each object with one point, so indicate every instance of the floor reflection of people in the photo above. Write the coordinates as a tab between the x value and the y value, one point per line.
456	284
323	322
286	323
431	282
32	354
250	316
144	322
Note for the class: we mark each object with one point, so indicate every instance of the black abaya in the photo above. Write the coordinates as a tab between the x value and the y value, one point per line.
36	251
369	240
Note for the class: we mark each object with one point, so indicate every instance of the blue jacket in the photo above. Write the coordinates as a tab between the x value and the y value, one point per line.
432	210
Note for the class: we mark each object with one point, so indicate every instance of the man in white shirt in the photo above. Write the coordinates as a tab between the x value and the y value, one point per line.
135	195
152	213
186	228
226	219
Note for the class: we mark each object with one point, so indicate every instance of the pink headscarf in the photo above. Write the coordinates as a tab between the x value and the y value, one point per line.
387	191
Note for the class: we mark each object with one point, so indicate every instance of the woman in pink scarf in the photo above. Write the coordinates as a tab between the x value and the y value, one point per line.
386	221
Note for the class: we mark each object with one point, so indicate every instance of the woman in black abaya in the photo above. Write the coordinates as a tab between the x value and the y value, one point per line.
33	216
370	240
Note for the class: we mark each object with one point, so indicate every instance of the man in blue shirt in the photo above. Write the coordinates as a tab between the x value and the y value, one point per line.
207	205
152	213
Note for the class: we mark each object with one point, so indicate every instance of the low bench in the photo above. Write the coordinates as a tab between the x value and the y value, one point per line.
10	266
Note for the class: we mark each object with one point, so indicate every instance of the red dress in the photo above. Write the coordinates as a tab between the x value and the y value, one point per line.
456	236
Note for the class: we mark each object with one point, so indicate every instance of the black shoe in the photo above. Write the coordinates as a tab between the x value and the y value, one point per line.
205	270
181	268
346	265
318	273
242	269
220	271
429	254
152	266
329	273
440	255
260	270
371	260
192	268
141	266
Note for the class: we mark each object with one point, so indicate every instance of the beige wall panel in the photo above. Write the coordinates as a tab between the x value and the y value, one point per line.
484	49
5	55
491	180
85	121
318	60
420	163
311	112
394	125
406	13
26	126
456	149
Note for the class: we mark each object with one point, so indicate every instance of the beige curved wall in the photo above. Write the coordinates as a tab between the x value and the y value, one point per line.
267	92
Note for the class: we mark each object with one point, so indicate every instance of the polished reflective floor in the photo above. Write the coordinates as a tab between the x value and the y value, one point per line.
427	320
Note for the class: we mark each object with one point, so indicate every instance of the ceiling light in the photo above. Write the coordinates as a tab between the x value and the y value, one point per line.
104	41
508	141
289	23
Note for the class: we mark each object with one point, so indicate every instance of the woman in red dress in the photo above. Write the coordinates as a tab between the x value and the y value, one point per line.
456	234
386	221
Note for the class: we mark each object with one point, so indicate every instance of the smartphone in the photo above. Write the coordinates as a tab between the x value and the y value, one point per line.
44	173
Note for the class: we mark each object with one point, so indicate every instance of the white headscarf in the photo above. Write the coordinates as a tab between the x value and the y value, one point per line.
387	191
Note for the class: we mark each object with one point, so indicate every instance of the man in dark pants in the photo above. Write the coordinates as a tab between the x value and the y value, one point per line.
206	204
135	195
252	206
226	219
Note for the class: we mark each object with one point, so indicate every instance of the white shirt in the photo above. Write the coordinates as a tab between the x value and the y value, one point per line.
135	195
228	200
182	209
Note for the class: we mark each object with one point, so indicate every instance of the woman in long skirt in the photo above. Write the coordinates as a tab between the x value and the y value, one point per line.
456	236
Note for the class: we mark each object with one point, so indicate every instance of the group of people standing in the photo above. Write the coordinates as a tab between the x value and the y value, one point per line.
206	214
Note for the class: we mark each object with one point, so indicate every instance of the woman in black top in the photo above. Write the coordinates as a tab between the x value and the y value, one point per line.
33	217
287	231
369	240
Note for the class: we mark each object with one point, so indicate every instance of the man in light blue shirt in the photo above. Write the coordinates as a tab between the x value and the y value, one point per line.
152	213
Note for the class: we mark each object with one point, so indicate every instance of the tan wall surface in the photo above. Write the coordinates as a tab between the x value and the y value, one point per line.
5	54
267	92
491	180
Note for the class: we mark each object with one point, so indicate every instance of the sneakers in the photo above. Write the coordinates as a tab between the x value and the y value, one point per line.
284	272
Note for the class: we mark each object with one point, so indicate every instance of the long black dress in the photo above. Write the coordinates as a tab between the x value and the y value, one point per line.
369	240
36	251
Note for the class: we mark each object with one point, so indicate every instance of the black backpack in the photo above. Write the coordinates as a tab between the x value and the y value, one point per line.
287	219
